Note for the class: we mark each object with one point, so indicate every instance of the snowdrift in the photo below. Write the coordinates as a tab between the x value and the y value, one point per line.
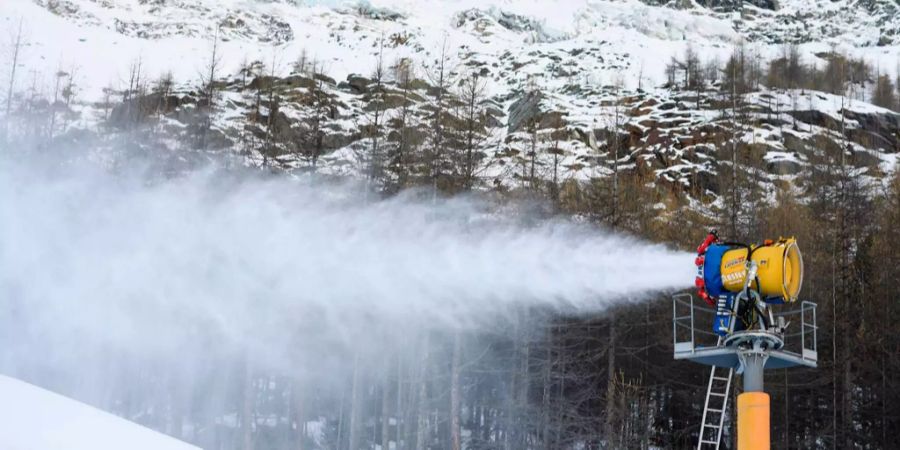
32	418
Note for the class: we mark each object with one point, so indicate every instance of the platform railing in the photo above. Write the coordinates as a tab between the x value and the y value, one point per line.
810	331
687	337
692	327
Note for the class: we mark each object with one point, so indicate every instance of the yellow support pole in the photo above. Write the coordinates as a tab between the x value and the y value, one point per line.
753	421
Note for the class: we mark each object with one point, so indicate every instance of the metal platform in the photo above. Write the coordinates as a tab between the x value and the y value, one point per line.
796	347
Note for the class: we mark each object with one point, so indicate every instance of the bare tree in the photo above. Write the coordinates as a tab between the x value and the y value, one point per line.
108	92
692	68
422	427
17	44
208	91
303	63
320	112
557	152
615	143
440	77
455	394
245	70
672	68
883	93
132	95
57	87
68	93
471	95
70	89
299	403
248	403
640	86
163	90
356	405
530	160
273	106
404	74
386	407
735	83
377	107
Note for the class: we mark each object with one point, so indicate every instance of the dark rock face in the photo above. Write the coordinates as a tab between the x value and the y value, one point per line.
707	181
358	84
817	118
137	109
366	10
880	130
875	130
719	5
525	110
783	167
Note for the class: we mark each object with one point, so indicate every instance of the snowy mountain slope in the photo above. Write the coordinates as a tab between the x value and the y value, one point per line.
102	39
572	52
175	34
37	419
866	23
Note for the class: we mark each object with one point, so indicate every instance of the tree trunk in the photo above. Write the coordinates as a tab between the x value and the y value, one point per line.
545	392
248	406
455	438
355	406
386	411
611	383
299	416
422	403
17	47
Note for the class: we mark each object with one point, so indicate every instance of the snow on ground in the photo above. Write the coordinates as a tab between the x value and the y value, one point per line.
32	418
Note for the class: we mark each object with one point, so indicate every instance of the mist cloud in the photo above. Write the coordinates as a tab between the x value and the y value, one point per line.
284	268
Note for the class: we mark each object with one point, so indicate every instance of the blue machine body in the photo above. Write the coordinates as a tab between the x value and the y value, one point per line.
712	273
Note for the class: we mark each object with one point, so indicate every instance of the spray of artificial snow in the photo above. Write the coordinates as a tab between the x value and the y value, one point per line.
280	267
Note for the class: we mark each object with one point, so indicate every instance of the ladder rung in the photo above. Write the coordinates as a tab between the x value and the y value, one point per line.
723	394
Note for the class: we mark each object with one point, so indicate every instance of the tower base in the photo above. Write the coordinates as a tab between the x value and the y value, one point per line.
753	421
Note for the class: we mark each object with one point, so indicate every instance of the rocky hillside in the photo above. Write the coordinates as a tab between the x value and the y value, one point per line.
497	94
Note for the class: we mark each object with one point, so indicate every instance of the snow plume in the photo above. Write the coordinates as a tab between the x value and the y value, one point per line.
291	272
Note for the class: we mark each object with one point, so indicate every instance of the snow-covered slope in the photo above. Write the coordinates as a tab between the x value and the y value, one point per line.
572	52
861	23
32	418
102	39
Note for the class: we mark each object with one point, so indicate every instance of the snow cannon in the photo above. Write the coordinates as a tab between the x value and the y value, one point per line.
723	268
744	284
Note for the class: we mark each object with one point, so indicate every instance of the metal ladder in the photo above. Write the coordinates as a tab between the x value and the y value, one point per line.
715	406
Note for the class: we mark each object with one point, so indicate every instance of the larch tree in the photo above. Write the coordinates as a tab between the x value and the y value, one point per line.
18	41
471	95
404	151
440	75
883	92
320	112
377	108
208	92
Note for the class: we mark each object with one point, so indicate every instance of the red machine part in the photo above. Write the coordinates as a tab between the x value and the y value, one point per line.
711	238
